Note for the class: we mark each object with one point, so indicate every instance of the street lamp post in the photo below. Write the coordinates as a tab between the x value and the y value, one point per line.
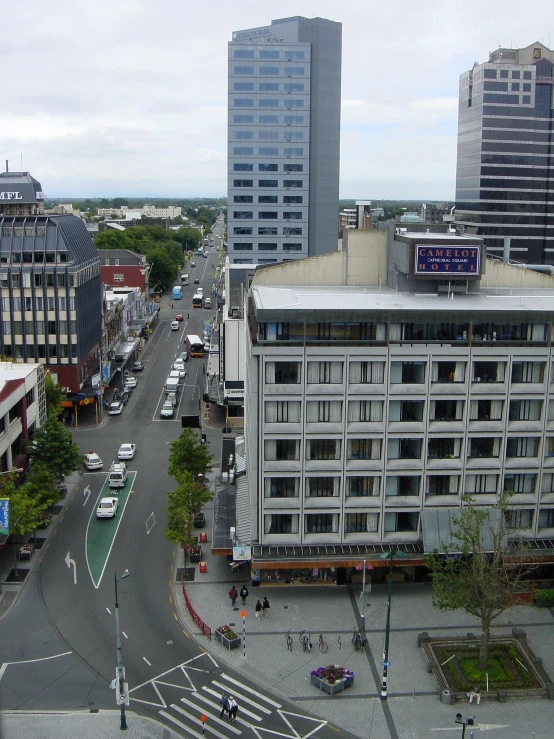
468	722
390	555
120	669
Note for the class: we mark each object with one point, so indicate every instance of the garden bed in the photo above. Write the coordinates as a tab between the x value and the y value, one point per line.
227	637
332	679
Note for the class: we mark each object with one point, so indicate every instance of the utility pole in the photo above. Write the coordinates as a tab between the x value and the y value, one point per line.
121	688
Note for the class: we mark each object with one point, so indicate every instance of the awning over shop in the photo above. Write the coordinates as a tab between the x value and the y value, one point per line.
335	555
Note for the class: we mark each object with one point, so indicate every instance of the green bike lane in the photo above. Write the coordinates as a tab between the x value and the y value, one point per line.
101	532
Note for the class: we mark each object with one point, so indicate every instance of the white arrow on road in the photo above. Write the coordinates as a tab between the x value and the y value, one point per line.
86	493
70	562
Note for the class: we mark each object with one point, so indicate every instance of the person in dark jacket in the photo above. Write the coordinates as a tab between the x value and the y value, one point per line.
233	594
259	609
244	594
265	606
224	702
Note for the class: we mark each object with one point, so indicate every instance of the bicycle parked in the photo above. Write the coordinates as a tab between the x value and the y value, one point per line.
357	639
323	646
305	640
288	637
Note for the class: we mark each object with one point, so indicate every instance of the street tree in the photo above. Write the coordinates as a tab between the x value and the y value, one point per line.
25	510
475	571
182	503
40	486
188	454
112	240
54	396
52	447
163	270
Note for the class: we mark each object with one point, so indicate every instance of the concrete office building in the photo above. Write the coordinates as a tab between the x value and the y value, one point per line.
284	140
505	172
378	392
49	285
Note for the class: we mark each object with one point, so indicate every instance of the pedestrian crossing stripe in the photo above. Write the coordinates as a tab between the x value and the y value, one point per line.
250	690
218	720
238	695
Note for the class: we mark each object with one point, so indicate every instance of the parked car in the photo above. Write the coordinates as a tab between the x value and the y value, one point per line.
130	381
126	451
174	325
116	408
184	356
193	263
107	508
138	366
121	394
167	410
92	461
171	398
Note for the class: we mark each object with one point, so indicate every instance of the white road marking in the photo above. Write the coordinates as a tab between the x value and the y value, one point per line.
108	610
250	690
124	634
147	662
212	718
150	523
5	666
70	562
86	492
242	709
211	729
180	724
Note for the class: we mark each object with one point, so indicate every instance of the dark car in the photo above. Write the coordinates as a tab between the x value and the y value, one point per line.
122	395
138	366
196	281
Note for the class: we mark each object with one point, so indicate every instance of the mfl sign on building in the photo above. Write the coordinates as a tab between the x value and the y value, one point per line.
11	196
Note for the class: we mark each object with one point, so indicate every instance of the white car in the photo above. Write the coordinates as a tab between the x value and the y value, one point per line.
200	291
167	410
107	508
174	325
175	373
130	381
92	461
179	366
126	451
116	408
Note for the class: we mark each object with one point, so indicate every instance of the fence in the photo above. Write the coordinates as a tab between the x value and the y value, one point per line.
206	630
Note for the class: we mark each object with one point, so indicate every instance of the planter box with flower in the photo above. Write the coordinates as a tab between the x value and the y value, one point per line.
227	637
194	552
199	520
332	679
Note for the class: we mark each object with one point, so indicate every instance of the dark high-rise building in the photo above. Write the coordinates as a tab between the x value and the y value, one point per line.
50	290
505	171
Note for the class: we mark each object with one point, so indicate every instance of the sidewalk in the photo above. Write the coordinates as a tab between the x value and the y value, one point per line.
413	709
61	725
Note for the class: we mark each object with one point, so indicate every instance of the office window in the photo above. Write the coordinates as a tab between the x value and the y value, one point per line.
268	199
243	151
243	86
363	449
282	373
268	151
293	151
292	215
321	449
282	411
365	411
273	119
294	136
293	120
367	373
243	102
323	411
407	372
402	485
362	487
281	523
525	410
526	372
401	521
406	410
522	446
267	215
442	485
268	54
268	135
294	70
268	183
267	231
325	373
294	103
243	183
519	518
243	167
244	134
243	247
281	487
268	103
281	450
243	198
293	167
293	87
267	247
268	70
520	483
268	167
322	487
295	54
479	484
361	523
289	231
268	87
404	448
243	54
243	214
293	183
292	199
321	523
546	518
242	231
243	119
446	448
287	246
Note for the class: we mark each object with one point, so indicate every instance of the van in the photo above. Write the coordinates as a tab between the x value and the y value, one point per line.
207	302
172	385
174	325
117	476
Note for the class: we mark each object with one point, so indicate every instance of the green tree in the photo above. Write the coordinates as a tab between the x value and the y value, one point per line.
52	447
111	239
40	486
54	396
118	202
483	579
188	454
25	510
182	503
163	270
189	238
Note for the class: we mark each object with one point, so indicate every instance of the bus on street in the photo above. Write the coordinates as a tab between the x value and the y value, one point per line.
177	293
197	300
195	346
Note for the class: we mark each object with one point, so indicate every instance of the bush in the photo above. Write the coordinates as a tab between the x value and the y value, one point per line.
544	598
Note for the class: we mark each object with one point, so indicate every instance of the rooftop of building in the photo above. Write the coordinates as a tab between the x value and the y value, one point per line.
27	188
12	375
125	257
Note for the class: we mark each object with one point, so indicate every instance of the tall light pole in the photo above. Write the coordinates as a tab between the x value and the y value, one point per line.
121	687
469	722
390	555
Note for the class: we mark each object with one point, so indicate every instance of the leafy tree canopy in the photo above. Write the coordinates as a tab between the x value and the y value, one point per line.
25	510
111	239
54	396
163	270
188	454
182	503
52	447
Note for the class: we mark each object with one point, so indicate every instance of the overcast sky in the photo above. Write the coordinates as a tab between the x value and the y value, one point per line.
129	97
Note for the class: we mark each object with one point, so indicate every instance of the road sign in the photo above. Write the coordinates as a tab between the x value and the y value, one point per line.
95	380
122	697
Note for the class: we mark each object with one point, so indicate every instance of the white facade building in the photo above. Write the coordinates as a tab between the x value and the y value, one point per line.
371	409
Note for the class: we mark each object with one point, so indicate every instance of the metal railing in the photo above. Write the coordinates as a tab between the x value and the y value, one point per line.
206	630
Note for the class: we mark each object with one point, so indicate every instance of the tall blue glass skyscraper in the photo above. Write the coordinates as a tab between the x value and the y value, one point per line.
505	171
284	140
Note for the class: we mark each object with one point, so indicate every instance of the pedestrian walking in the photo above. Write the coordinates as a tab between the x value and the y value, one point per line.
265	606
244	594
224	703
233	594
232	707
259	609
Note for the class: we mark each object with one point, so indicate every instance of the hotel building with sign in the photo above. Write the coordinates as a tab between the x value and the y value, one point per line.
504	177
382	383
284	140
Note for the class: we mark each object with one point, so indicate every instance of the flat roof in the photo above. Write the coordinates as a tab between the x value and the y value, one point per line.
299	299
